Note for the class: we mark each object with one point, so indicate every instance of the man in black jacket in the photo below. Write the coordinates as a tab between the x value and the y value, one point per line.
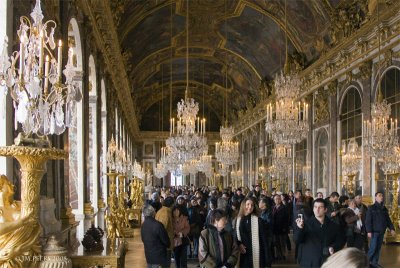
317	238
376	222
155	239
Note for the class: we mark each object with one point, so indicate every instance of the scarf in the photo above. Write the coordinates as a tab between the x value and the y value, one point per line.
255	243
359	222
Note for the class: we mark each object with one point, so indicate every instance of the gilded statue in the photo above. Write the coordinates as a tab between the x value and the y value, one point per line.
134	193
17	235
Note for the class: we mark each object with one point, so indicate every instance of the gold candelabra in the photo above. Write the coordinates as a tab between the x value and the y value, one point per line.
21	238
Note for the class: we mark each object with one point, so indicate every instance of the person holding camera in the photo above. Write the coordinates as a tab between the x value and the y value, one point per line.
318	237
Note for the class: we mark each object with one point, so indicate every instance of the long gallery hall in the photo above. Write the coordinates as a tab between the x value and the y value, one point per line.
199	133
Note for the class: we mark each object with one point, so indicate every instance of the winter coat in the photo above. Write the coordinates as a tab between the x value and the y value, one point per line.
155	240
280	217
164	215
378	219
313	238
209	249
181	225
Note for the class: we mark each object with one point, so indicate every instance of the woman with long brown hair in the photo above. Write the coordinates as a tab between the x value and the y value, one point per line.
251	236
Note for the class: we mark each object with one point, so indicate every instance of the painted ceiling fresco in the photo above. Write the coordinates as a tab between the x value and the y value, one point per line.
246	38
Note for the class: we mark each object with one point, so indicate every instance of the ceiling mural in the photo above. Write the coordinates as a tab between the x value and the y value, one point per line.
244	39
262	44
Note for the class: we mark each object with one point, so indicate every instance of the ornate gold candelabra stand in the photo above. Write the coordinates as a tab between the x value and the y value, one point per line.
394	211
123	215
350	183
23	240
114	227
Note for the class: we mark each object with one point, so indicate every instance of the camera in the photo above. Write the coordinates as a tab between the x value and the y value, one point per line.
300	216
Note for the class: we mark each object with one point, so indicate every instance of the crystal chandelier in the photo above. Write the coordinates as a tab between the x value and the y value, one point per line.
187	139
380	134
290	123
391	165
186	142
351	158
204	163
138	170
43	104
223	169
227	151
282	158
161	169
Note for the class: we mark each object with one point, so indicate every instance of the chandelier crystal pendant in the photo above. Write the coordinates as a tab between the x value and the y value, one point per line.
227	151
43	105
380	134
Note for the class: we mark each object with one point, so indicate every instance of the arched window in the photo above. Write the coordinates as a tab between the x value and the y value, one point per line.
93	152
75	133
390	87
351	127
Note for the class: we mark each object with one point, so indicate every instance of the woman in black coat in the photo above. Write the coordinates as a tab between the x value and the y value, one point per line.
251	236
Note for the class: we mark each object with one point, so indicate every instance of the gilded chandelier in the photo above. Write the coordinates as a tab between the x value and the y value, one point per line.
380	134
43	105
227	151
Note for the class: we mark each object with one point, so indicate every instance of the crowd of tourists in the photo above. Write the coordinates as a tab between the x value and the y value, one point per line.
250	228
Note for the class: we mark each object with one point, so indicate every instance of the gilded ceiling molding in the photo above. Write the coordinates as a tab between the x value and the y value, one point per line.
359	47
105	34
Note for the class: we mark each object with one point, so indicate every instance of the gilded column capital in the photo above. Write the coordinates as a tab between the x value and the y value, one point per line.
332	87
366	69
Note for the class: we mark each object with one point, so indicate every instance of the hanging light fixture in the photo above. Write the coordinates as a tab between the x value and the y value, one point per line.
288	124
380	134
226	151
161	169
187	139
282	158
43	104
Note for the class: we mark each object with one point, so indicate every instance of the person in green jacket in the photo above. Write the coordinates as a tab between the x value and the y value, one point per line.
217	247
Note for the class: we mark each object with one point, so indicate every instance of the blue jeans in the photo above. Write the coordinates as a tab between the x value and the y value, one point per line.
375	247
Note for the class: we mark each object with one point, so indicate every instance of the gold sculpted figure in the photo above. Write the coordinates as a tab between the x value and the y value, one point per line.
17	235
